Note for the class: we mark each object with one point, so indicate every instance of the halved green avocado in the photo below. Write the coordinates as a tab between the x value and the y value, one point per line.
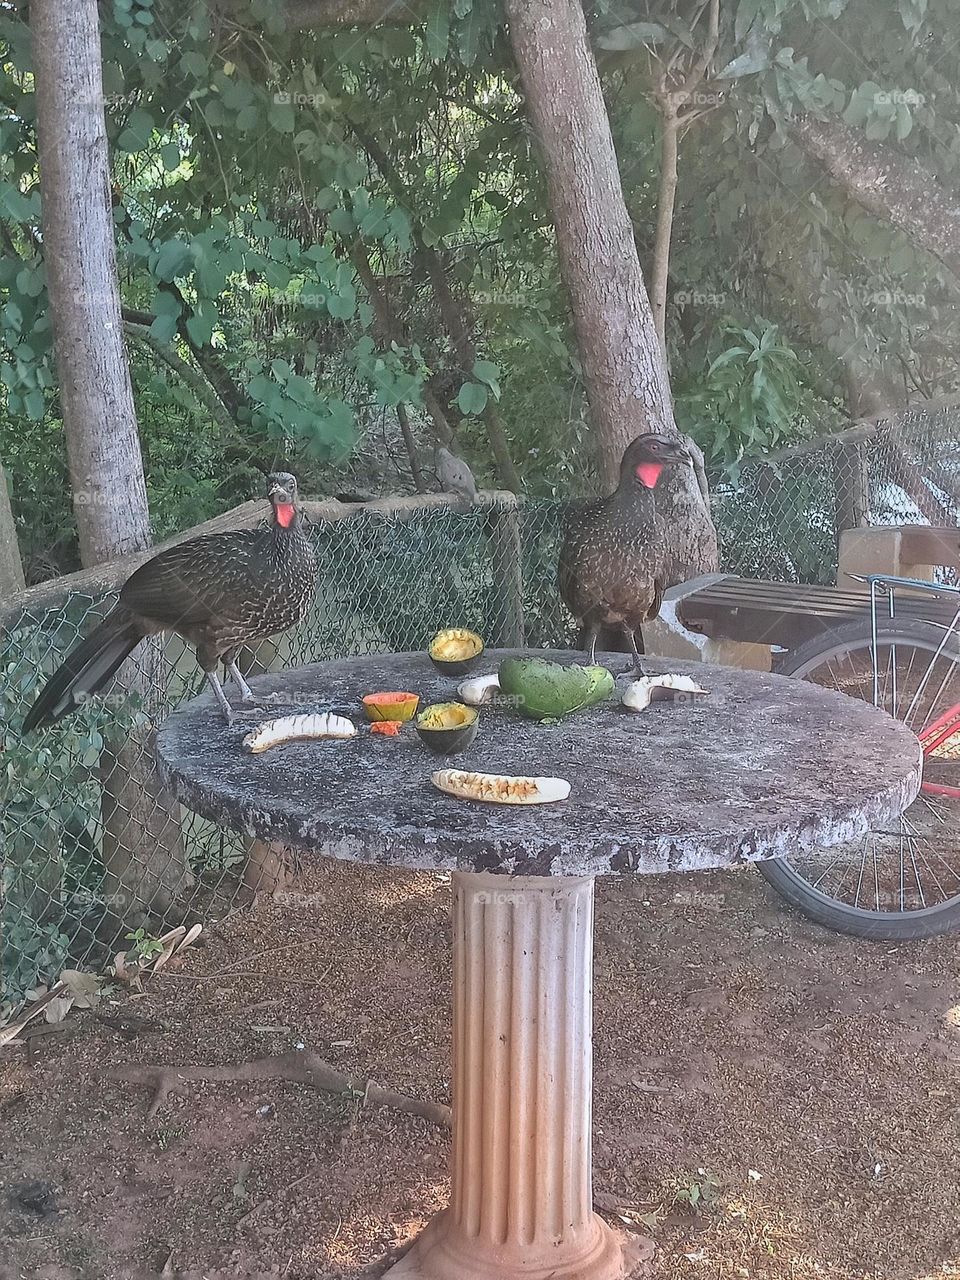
448	727
544	690
455	650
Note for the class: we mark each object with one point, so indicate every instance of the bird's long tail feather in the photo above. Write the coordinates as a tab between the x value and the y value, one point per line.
86	670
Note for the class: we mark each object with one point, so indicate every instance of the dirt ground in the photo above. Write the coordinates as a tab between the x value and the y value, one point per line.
805	1087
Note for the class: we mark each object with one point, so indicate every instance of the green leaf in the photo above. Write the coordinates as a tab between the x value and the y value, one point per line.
170	156
201	324
280	117
746	64
33	403
343	304
173	260
196	65
437	31
136	136
633	36
472	398
487	373
164	328
747	11
249	118
469	32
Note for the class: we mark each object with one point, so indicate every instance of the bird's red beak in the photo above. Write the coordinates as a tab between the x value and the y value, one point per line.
285	513
648	473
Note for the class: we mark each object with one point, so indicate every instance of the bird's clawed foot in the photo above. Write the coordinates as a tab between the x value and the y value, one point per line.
636	666
633	669
252	701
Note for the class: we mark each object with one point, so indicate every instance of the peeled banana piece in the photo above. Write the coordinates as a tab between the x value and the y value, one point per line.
321	724
499	788
479	690
640	693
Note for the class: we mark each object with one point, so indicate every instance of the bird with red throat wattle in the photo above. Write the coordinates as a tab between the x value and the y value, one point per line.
219	592
620	554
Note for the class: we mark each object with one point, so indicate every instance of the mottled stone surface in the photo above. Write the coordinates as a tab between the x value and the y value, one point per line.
761	766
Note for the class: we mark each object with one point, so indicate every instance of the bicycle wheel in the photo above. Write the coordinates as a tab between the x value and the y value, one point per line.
903	882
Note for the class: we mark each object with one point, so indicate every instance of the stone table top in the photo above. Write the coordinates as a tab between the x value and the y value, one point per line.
763	766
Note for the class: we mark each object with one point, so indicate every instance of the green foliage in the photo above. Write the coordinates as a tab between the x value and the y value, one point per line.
49	792
750	399
248	175
145	946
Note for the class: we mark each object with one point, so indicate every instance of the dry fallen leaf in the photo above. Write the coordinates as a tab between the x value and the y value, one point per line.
83	987
58	1008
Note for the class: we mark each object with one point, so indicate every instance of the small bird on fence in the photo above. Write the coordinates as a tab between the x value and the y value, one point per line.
219	592
619	555
454	474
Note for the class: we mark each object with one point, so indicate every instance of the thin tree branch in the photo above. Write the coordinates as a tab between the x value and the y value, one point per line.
185	372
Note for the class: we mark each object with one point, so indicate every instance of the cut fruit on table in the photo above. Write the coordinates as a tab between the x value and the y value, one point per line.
640	693
499	788
388	705
455	650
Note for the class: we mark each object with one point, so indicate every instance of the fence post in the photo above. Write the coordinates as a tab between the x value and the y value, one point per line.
850	488
508	573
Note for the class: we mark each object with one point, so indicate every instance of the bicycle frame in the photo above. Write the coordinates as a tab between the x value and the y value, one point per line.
946	725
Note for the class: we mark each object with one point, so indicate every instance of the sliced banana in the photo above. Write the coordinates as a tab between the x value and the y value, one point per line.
498	788
320	724
479	690
640	693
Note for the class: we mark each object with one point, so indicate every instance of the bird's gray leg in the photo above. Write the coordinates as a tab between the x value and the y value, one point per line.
220	695
247	696
591	635
637	664
246	693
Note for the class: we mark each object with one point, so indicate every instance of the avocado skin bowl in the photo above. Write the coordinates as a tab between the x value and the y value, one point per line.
447	728
469	640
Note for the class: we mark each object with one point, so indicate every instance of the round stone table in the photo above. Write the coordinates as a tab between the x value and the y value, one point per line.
762	766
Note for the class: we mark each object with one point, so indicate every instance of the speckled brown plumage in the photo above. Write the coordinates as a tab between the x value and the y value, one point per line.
219	592
620	554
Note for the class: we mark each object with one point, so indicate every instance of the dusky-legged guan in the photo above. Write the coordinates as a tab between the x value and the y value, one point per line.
218	592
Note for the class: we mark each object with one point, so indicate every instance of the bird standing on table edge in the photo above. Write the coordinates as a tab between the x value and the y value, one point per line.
219	592
620	554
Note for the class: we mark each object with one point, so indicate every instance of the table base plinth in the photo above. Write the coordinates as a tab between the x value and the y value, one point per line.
443	1253
521	1205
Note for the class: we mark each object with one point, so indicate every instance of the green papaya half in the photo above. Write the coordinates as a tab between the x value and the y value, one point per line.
543	690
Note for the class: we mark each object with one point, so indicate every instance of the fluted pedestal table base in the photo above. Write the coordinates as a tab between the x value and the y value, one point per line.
522	1196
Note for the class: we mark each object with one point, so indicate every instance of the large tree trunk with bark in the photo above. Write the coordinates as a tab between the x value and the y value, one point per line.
620	353
106	469
142	846
890	185
11	566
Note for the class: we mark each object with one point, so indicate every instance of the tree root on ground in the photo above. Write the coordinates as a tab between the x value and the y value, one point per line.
301	1068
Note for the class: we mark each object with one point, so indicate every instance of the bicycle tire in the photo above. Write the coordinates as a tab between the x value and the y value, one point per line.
781	873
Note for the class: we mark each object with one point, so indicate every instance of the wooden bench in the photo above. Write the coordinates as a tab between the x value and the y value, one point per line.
784	614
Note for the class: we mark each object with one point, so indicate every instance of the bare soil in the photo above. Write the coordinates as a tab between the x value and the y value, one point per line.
805	1088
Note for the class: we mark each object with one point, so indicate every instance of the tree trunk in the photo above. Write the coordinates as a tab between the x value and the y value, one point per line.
622	363
11	566
106	469
889	184
666	201
142	845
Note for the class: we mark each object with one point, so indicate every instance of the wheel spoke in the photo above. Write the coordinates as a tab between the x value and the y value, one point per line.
914	674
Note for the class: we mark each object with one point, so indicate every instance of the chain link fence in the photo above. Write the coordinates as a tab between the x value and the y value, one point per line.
91	850
781	517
